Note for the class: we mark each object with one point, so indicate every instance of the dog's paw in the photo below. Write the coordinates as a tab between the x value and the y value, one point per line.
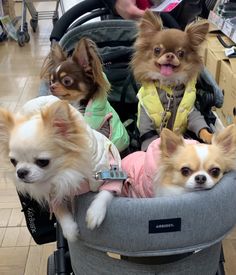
71	231
95	215
205	136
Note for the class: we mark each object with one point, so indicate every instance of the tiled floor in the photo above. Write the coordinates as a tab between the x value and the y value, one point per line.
19	78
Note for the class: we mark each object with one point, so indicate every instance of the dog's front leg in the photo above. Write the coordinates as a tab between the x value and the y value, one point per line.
98	208
69	226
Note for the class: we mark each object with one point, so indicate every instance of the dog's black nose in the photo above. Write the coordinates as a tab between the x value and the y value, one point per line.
170	56
200	179
52	87
22	173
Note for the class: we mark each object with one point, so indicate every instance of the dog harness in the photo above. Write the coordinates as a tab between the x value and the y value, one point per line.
150	101
110	180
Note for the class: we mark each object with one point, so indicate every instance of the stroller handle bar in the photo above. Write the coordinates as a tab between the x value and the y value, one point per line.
95	8
71	15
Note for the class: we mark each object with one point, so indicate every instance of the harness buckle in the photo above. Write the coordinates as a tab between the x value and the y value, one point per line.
113	174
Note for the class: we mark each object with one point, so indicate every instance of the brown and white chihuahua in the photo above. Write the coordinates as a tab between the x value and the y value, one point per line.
169	59
77	78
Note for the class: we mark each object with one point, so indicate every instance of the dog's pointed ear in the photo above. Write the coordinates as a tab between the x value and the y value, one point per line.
86	55
54	58
197	32
169	142
64	125
57	53
226	139
6	124
59	117
150	23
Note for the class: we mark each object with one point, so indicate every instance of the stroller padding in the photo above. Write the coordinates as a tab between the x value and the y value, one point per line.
119	32
205	218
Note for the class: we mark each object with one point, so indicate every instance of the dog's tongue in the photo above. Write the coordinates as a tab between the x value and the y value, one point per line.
166	70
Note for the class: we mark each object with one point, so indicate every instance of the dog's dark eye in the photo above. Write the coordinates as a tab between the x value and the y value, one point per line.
214	172
180	54
157	51
42	162
13	161
67	81
186	171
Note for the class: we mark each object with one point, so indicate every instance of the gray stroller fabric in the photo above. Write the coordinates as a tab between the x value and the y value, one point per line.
106	32
196	220
193	223
88	261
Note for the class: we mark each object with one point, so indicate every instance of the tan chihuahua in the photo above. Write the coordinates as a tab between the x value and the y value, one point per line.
166	62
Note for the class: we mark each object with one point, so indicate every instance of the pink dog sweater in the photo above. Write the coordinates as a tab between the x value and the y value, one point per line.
141	167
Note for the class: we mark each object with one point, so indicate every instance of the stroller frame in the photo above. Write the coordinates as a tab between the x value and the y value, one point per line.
22	33
59	261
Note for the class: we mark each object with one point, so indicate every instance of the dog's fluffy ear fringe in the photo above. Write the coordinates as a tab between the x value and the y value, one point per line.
66	128
58	116
197	32
87	56
6	124
55	57
226	139
149	23
169	142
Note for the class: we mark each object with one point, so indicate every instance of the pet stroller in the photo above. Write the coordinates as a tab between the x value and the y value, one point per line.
177	235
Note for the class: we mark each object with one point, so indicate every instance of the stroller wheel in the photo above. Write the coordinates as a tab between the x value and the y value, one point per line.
51	270
21	38
34	24
27	37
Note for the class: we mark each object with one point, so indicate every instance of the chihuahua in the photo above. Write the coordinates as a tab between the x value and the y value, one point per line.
78	77
56	156
166	62
172	165
80	80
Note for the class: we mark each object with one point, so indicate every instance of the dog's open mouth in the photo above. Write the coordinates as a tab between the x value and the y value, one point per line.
167	69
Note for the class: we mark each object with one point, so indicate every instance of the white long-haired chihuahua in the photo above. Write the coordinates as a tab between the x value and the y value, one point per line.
56	156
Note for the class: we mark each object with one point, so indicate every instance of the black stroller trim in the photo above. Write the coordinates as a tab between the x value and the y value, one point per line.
71	15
